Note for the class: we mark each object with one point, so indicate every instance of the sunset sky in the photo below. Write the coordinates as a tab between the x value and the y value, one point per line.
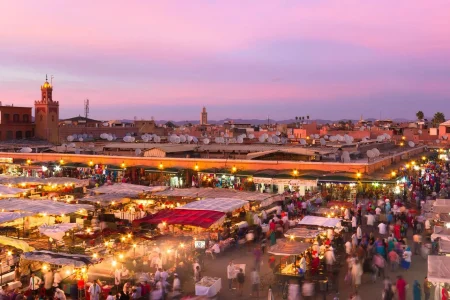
240	59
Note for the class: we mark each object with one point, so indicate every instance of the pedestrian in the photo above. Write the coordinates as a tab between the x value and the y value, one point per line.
198	274
388	294
357	272
230	273
329	258
406	261
426	288
354	224
417	241
95	291
240	279
35	282
417	291
293	290
255	283
176	286
48	283
359	234
308	289
401	288
393	260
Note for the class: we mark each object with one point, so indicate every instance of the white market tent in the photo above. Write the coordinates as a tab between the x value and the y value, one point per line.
302	233
263	199
56	231
11	216
6	191
217	204
444	245
439	269
286	248
62	259
320	221
17	180
440	232
107	199
441	206
128	189
42	206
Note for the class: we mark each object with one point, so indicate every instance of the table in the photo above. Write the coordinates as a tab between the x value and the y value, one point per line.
208	286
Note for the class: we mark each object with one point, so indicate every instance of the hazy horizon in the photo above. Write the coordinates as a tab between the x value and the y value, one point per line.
325	59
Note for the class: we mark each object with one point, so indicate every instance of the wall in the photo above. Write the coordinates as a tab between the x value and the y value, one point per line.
243	165
16	129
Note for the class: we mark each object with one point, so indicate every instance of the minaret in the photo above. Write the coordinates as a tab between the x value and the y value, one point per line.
46	115
203	117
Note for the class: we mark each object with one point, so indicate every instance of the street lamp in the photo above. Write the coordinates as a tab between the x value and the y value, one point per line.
161	166
358	175
295	172
91	163
196	167
123	165
233	169
393	173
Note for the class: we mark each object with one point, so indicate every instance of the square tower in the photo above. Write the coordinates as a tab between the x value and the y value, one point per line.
46	115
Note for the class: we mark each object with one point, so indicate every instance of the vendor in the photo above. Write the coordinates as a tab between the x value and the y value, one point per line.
302	265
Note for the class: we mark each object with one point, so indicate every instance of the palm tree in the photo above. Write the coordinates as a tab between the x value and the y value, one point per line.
420	115
438	118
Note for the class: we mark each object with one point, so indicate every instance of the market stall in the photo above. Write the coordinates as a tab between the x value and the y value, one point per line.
440	232
57	231
41	206
320	221
302	233
217	204
289	251
11	192
128	189
107	199
439	273
441	206
189	217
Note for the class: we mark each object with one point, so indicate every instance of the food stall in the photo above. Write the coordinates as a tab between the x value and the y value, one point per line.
304	234
439	273
289	252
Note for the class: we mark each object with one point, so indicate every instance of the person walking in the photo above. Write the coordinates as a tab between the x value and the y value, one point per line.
35	282
406	261
230	273
426	288
401	288
388	294
95	291
293	290
359	234
393	260
240	279
417	291
255	283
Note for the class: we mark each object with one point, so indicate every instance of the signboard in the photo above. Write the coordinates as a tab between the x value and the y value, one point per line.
8	160
200	244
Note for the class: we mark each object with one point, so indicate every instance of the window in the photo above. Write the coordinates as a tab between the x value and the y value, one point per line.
16	118
6	117
447	129
19	135
26	118
9	135
28	134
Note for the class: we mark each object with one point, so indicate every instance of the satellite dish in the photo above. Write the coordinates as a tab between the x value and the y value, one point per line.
70	138
326	137
316	136
262	138
80	139
177	140
190	138
206	141
270	140
438	141
182	139
91	145
110	138
138	152
157	139
278	133
145	139
251	136
26	150
376	151
84	136
302	142
345	157
71	145
333	138
370	154
445	137
411	144
240	140
291	136
419	131
194	139
323	142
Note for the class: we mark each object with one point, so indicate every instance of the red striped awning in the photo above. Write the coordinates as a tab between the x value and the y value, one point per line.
189	217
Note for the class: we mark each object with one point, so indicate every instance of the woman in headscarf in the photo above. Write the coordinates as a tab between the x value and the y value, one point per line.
417	291
406	261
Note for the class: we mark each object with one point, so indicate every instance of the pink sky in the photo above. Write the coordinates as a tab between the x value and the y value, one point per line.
166	59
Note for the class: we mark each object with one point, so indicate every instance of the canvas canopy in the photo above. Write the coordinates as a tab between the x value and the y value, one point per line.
302	233
17	180
219	204
284	248
6	191
263	199
440	232
441	206
107	199
190	217
320	221
22	245
444	245
11	216
62	259
439	269
56	231
128	189
42	206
